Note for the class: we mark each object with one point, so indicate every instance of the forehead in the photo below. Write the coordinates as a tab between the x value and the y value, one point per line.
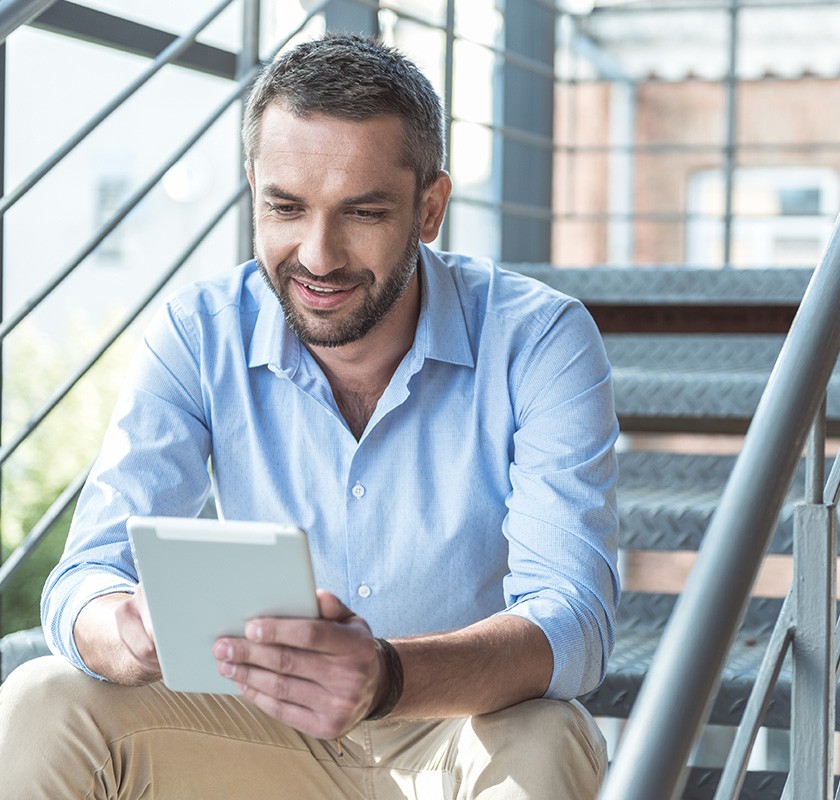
319	147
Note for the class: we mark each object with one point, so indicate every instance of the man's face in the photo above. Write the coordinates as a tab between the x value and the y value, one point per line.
336	222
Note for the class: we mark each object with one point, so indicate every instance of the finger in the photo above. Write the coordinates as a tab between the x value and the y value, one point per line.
285	688
330	607
275	658
136	638
323	636
142	606
301	718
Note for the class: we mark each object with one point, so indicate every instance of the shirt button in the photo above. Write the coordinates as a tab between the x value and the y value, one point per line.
358	491
364	591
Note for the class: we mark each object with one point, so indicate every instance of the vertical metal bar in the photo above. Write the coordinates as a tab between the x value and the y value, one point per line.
445	233
527	104
813	688
731	132
621	191
815	463
248	57
2	277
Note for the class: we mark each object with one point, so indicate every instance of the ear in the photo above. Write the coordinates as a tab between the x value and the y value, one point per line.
249	171
433	206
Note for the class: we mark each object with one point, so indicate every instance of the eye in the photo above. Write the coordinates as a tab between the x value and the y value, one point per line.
368	214
284	209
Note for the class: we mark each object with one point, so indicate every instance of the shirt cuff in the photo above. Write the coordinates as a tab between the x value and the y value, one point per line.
59	622
574	642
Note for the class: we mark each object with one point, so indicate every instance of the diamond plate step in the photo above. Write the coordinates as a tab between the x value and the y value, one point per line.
687	382
666	500
636	643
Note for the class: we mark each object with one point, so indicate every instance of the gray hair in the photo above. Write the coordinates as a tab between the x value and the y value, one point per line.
354	78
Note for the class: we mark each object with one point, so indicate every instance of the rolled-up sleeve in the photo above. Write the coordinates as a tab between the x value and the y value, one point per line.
562	525
153	461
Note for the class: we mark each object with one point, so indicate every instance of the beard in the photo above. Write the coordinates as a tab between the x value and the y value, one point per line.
318	328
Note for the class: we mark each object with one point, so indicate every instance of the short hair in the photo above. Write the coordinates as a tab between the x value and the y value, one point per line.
355	78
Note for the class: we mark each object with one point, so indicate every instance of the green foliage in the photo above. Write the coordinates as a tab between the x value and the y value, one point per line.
61	447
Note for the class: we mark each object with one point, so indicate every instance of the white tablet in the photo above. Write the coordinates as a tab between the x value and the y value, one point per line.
205	578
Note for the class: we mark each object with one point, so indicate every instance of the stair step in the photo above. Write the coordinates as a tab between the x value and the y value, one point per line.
666	500
709	382
21	646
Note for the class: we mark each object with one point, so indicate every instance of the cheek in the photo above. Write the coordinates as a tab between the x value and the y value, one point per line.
270	239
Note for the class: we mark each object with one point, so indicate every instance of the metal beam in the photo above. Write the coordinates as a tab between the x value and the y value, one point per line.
526	103
348	16
14	13
97	27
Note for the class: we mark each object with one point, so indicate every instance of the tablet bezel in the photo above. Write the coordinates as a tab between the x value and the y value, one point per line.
204	578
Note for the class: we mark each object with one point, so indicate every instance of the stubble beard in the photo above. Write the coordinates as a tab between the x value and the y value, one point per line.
317	328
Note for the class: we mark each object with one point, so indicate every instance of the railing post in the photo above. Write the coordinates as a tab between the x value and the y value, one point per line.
248	57
815	590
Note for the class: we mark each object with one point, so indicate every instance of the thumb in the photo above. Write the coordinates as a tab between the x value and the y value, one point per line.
330	607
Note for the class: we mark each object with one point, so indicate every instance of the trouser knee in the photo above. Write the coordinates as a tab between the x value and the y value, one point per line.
537	749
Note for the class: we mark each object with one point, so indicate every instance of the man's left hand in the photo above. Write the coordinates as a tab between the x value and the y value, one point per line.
319	676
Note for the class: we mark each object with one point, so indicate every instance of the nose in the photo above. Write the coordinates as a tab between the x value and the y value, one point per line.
321	249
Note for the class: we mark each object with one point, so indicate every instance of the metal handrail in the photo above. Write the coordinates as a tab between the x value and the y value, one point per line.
42	527
166	56
688	662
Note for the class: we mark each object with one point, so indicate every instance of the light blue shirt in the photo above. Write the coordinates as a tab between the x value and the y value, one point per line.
483	484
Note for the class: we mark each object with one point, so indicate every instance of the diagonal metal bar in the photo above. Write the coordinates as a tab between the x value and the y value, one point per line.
42	528
734	771
661	732
831	496
38	417
166	56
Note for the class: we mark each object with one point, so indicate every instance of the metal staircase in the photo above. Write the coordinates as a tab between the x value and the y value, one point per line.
693	351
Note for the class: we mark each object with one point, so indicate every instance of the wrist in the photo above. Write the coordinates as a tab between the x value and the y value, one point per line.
391	684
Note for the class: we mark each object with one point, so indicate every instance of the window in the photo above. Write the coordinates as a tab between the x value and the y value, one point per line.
782	216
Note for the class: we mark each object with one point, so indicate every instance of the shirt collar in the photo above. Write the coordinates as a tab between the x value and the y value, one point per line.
441	328
272	343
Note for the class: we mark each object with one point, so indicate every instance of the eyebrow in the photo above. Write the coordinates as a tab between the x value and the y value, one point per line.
375	196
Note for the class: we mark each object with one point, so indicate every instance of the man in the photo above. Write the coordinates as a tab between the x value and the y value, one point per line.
442	429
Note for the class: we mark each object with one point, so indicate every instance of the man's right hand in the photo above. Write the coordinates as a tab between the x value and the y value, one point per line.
114	636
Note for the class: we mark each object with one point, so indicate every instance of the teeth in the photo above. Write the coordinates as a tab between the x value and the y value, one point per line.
320	289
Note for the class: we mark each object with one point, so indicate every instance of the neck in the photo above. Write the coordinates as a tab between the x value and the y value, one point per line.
359	372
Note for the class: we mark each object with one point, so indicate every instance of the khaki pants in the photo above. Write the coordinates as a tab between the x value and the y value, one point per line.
64	735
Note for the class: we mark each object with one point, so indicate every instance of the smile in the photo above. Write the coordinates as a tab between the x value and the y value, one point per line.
322	289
